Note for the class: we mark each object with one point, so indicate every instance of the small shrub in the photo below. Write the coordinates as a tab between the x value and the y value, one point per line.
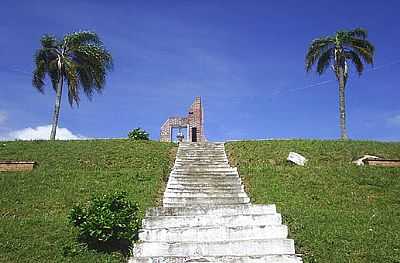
138	134
107	221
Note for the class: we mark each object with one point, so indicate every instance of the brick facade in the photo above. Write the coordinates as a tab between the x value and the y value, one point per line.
194	122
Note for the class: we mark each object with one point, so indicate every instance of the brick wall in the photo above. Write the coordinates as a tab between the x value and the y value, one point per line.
194	119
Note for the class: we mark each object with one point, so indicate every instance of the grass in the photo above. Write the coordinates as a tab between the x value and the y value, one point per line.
336	211
34	205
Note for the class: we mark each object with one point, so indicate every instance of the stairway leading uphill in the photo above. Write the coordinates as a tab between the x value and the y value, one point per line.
207	217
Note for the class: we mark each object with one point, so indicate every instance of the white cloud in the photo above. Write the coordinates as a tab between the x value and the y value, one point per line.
394	120
41	133
3	117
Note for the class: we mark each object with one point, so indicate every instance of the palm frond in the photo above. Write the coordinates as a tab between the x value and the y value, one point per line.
97	61
38	78
359	33
39	73
48	41
317	47
324	60
43	59
355	59
71	75
76	39
365	50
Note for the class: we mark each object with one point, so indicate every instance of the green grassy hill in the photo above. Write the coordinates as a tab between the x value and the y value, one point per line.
336	211
34	205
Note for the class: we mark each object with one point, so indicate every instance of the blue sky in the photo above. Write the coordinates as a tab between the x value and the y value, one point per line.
244	58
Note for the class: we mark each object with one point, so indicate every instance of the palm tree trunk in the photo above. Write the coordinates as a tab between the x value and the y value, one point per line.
56	112
342	104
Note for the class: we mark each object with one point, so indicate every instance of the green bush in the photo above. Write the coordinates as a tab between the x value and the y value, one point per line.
109	220
138	134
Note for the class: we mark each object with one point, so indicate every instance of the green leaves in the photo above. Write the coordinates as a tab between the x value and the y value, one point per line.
106	218
76	39
84	63
353	57
138	134
359	33
316	49
49	41
344	45
324	60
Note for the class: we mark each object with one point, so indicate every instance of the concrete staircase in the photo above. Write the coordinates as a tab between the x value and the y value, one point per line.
207	216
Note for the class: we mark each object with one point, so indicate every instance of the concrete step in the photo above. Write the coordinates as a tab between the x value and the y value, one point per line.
209	190
212	210
213	233
167	201
204	170
198	174
221	259
231	175
199	162
210	146
211	220
202	164
201	154
204	146
205	166
205	187
191	183
215	184
201	150
205	180
187	158
204	195
205	176
199	159
225	248
200	204
205	191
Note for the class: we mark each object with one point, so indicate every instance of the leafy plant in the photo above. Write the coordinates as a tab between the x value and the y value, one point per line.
108	221
138	134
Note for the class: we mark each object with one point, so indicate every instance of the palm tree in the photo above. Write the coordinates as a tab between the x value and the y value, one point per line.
79	60
336	51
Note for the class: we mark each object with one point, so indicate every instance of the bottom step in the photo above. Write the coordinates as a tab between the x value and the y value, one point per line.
225	259
215	249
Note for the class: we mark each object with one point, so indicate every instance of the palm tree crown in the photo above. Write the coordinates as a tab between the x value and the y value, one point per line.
336	51
79	59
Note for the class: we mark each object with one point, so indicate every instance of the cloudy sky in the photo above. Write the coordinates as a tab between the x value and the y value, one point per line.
244	58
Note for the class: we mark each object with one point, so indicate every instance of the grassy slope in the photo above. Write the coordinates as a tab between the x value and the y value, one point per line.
336	212
34	205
